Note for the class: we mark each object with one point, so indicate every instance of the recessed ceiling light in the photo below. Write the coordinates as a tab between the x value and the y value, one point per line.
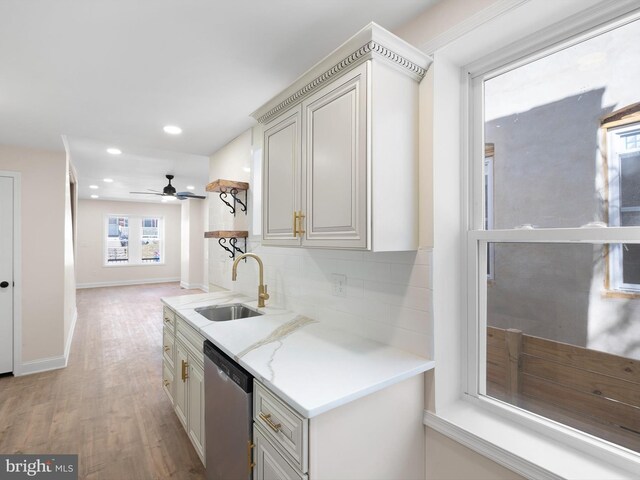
246	169
93	187
114	151
190	187
172	130
107	180
95	196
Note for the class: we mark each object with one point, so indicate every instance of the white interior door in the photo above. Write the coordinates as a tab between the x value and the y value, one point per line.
6	274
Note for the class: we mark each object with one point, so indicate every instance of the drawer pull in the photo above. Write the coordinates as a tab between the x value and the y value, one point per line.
267	419
167	320
167	348
250	461
185	371
166	383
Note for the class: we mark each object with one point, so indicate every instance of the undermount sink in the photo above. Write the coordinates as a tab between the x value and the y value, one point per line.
222	313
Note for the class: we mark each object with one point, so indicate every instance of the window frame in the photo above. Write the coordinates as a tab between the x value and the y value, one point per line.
612	135
134	240
475	249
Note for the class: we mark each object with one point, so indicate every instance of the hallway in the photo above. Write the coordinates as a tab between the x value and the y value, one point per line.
107	406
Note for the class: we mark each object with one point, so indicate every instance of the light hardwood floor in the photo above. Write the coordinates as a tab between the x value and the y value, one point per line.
107	406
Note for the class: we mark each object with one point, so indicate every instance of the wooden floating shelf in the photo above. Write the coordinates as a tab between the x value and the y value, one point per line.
226	234
221	185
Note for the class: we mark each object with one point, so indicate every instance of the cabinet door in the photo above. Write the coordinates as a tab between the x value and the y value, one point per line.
281	179
168	348
168	384
181	391
196	407
335	158
270	464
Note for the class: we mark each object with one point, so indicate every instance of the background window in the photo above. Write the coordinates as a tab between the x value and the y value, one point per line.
134	240
118	239
623	162
151	240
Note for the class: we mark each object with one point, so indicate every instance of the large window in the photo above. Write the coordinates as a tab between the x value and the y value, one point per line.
134	240
555	226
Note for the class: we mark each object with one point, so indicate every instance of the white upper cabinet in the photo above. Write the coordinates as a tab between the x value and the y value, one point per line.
340	164
334	187
281	172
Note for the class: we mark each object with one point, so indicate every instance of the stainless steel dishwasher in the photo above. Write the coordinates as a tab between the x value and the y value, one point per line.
228	396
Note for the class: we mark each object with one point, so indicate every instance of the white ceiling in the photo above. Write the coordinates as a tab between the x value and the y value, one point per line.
135	170
117	71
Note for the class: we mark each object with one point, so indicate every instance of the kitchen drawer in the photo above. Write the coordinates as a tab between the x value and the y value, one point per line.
168	345
285	428
269	462
169	318
191	339
167	380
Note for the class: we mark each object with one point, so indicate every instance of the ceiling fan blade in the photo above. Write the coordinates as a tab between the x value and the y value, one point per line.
148	193
189	195
154	191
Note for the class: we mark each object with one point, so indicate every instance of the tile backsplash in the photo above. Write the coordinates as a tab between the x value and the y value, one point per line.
388	296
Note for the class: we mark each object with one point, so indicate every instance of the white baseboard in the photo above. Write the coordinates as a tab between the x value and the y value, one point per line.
122	283
50	363
194	286
41	365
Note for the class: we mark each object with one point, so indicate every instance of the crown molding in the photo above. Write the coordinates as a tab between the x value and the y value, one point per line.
372	42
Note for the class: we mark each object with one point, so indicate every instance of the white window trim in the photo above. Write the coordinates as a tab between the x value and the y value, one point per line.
512	438
615	252
137	261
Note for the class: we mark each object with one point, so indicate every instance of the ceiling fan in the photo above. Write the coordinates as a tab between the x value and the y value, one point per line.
170	191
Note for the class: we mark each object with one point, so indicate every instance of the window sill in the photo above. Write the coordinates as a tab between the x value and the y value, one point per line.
525	451
620	294
116	265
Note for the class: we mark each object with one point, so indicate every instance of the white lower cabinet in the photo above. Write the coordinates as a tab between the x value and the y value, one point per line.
270	464
195	427
378	436
180	404
183	376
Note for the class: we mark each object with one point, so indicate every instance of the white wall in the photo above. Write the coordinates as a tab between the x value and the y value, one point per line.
70	312
91	272
192	244
43	179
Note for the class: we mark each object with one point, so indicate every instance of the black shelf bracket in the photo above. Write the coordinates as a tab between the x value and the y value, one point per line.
233	244
236	200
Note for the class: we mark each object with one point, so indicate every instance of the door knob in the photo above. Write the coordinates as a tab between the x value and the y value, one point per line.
4	284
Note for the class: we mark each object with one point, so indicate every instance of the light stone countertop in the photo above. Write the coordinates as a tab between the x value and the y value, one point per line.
312	367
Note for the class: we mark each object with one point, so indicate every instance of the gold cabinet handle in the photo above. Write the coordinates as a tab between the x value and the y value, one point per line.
250	461
267	419
167	348
300	217
166	383
295	224
185	371
167	320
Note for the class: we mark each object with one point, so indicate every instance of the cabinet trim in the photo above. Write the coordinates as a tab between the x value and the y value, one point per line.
368	50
